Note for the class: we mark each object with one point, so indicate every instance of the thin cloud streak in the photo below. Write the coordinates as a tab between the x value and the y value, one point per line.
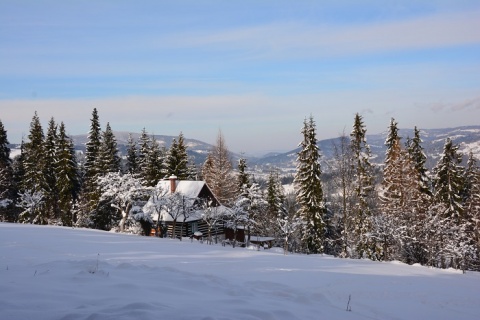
466	105
290	39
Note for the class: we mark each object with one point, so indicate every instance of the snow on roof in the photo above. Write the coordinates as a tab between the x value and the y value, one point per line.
188	188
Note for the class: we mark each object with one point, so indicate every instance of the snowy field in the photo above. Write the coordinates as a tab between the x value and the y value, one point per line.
62	273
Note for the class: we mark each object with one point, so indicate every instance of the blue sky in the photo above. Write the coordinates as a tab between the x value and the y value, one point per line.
254	69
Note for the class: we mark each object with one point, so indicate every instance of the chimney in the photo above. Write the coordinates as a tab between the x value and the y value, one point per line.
173	183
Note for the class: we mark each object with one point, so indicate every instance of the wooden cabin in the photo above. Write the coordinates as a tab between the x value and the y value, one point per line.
196	194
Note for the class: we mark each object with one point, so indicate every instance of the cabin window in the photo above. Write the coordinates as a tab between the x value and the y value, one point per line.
194	227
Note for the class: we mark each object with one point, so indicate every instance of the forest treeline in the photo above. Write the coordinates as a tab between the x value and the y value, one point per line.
396	211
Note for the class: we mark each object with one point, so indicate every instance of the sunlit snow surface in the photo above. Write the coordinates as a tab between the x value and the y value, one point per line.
64	273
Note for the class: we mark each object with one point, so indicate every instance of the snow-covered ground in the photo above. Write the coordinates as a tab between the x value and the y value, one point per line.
63	273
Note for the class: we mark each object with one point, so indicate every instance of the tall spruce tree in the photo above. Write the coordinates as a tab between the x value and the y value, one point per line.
243	178
143	150
34	179
51	161
7	190
447	211
418	191
104	216
309	190
66	176
5	160
18	169
470	177
132	156
90	194
92	151
418	157
364	194
108	153
275	204
153	163
472	209
176	160
185	170
449	182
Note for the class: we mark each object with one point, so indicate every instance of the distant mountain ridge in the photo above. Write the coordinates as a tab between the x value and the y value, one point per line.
196	148
467	137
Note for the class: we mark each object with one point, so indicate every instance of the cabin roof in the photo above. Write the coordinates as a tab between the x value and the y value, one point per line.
188	188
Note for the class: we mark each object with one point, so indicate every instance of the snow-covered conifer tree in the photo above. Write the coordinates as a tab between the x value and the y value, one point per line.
51	161
364	193
34	179
449	182
90	193
176	160
243	178
132	156
418	157
152	165
185	170
447	208
275	202
18	169
309	190
92	151
108	153
4	148
108	162
472	211
7	195
66	176
143	150
418	199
